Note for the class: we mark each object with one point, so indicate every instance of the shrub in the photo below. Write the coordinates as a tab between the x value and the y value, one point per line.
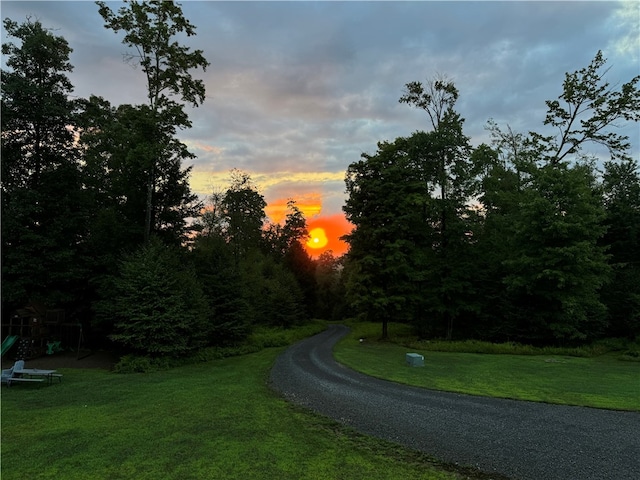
630	356
140	364
262	337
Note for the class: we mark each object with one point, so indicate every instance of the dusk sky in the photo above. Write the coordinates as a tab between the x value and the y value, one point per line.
296	91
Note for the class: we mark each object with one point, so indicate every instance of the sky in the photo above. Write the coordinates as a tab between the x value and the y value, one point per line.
297	91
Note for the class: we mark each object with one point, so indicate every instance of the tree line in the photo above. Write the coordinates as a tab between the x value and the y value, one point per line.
98	217
528	239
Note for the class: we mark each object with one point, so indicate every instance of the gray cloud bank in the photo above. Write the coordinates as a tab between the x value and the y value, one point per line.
299	87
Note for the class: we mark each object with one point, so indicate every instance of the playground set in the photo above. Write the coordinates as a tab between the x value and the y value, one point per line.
34	331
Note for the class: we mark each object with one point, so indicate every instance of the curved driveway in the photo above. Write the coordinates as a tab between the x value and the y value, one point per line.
521	440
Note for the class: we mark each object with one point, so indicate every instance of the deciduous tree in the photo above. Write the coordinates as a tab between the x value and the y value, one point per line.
622	239
151	29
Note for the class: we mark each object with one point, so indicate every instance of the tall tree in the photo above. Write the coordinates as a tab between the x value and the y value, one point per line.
117	150
271	291
449	169
280	238
331	303
43	226
286	242
388	198
151	29
222	285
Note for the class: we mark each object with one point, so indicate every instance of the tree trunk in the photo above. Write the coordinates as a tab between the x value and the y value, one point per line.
449	320
149	210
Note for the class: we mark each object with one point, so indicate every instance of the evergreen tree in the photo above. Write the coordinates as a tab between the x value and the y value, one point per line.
223	287
157	306
43	217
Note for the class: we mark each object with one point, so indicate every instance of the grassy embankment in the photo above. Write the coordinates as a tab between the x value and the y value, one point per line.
553	376
211	420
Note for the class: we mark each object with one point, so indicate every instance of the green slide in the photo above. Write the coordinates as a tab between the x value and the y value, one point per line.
8	343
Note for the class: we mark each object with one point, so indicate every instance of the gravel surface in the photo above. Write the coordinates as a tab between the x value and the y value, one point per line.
520	440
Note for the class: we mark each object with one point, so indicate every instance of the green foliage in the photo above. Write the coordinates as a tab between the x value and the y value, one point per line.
157	305
222	285
272	292
557	267
409	254
151	29
622	206
630	356
43	204
261	337
237	215
387	200
279	239
267	337
125	145
331	303
244	215
584	112
511	348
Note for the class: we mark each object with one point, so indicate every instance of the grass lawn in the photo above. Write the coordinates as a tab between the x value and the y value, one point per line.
601	382
214	420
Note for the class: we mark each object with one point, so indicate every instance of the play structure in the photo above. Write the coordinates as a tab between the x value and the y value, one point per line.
35	330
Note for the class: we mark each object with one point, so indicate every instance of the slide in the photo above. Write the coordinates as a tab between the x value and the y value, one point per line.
7	343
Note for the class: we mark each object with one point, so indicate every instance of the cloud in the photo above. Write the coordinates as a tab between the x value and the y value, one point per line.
299	186
297	89
626	20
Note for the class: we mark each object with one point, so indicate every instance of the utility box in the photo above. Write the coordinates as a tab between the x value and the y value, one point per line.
415	360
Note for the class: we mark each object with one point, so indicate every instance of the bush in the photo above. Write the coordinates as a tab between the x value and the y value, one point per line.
261	338
140	364
630	356
403	334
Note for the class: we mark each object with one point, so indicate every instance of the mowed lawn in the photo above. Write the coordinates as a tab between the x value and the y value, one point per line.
601	382
214	420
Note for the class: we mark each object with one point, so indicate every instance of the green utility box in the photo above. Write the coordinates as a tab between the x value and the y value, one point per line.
415	360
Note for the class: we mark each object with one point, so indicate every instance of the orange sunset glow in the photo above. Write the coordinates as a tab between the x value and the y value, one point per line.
324	231
309	204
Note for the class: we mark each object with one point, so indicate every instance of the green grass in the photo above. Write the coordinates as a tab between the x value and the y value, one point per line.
601	381
209	420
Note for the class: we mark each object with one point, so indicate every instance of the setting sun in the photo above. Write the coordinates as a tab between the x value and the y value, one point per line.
325	233
317	238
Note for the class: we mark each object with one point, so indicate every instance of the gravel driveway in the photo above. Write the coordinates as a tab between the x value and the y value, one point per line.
521	440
